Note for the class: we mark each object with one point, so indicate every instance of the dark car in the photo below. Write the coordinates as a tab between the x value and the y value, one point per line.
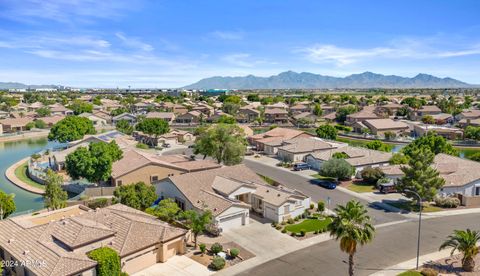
301	167
328	184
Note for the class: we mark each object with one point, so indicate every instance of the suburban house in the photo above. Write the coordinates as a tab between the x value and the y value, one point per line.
11	125
417	114
304	119
380	126
58	109
469	122
443	118
247	115
296	149
471	114
300	108
58	241
330	117
51	120
142	107
137	165
166	116
230	193
190	118
327	109
173	137
451	133
388	109
268	141
104	115
108	105
359	158
96	120
203	108
366	113
276	116
132	119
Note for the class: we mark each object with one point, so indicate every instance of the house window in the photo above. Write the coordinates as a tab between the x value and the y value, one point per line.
286	209
154	178
180	203
119	182
477	191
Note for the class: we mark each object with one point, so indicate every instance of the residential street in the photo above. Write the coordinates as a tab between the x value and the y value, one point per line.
294	181
393	244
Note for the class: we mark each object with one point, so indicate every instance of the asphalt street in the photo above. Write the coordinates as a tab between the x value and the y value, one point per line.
316	192
392	245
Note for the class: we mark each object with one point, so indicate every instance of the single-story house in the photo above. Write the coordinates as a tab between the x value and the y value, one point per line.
51	120
443	118
469	122
132	119
11	125
268	141
104	115
58	109
166	116
388	109
296	149
359	158
96	120
380	126
451	133
305	119
190	118
137	165
471	114
59	241
230	193
417	114
366	113
300	108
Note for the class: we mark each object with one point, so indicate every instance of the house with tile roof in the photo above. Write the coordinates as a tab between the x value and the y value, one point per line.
295	150
57	242
270	141
380	126
417	114
230	193
132	119
190	118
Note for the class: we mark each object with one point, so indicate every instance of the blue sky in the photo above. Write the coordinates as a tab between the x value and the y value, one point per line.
159	43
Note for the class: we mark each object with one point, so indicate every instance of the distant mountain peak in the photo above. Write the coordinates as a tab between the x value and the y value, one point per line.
305	80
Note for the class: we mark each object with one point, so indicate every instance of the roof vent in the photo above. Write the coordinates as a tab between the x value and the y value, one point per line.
278	195
64	222
11	240
111	243
268	191
214	209
26	252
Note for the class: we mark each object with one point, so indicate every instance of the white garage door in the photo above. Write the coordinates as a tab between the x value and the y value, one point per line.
231	222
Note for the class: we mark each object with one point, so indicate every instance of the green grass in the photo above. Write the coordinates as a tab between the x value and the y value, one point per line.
268	180
309	225
410	273
21	173
361	187
323	177
408	206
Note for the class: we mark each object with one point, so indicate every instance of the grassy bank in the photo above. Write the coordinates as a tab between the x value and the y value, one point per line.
22	174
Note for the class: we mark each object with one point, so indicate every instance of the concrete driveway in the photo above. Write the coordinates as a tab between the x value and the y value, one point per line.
177	265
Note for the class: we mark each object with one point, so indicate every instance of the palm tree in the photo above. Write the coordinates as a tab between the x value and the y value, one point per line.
351	226
465	242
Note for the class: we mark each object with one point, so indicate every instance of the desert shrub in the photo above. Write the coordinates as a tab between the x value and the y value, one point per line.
234	252
290	221
142	146
203	248
447	202
217	263
216	248
297	218
278	227
429	272
312	206
98	203
284	230
372	175
321	206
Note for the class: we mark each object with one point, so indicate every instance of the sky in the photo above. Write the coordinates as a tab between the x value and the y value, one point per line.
169	44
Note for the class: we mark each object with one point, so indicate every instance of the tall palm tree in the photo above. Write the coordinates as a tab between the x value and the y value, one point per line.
465	242
351	226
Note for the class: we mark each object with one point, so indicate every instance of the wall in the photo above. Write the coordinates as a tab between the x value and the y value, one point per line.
167	189
145	173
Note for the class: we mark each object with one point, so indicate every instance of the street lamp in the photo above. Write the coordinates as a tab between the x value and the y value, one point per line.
419	220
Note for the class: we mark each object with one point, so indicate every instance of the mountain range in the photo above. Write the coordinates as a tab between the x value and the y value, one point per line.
17	85
304	80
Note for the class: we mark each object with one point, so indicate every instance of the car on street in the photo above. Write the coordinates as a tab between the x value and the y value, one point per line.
328	184
301	166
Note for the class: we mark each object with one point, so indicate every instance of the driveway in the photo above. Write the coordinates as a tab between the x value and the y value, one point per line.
176	265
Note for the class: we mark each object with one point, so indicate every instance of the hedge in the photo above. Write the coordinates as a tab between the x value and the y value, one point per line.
108	261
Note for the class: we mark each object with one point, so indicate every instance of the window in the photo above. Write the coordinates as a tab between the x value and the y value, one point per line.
119	182
286	209
153	178
477	191
180	203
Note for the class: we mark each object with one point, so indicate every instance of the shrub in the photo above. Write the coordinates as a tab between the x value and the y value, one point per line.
142	146
217	263
278	227
303	232
344	128
290	221
283	223
203	248
274	224
107	259
447	202
234	252
316	232
312	206
389	135
98	203
338	168
297	218
372	175
216	248
321	206
284	230
293	234
429	272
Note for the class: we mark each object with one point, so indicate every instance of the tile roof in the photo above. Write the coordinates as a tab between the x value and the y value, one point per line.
302	145
385	124
161	115
357	156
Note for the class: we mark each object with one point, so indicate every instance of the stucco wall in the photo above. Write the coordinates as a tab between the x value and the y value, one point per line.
145	174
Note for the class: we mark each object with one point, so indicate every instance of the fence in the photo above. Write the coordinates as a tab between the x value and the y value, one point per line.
99	191
469	201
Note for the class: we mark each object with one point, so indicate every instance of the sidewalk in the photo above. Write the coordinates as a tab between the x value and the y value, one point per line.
10	175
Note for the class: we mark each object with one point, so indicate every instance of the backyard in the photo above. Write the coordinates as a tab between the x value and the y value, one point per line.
309	225
21	173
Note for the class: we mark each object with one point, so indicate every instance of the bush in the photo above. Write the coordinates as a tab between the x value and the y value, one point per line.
108	261
283	223
316	232
278	227
274	224
217	263
344	128
297	218
303	232
447	202
234	252
203	248
284	230
429	272
216	248
321	206
312	206
338	168
290	221
98	203
142	146
372	175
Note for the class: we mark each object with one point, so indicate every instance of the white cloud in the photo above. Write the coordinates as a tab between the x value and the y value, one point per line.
228	35
134	42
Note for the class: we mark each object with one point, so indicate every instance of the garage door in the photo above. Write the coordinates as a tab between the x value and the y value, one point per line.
231	222
141	262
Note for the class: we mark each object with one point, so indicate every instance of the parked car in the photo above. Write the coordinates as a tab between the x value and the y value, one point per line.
386	188
301	167
166	145
328	184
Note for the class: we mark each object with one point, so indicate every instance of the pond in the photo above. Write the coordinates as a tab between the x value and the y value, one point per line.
10	153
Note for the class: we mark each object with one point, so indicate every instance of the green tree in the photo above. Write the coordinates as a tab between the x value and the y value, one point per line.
108	261
7	205
71	128
93	163
338	168
398	159
224	119
372	175
79	107
317	110
352	226
226	143
428	119
139	195
253	98
378	145
166	210
119	111
124	126
230	108
327	132
55	197
466	243
340	155
197	222
153	126
434	142
472	132
420	176
40	124
389	135
43	112
342	112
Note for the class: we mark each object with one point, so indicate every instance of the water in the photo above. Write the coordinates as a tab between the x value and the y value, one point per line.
10	153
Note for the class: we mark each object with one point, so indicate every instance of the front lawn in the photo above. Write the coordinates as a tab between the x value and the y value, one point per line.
309	225
361	187
21	173
327	178
410	273
268	180
408	206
